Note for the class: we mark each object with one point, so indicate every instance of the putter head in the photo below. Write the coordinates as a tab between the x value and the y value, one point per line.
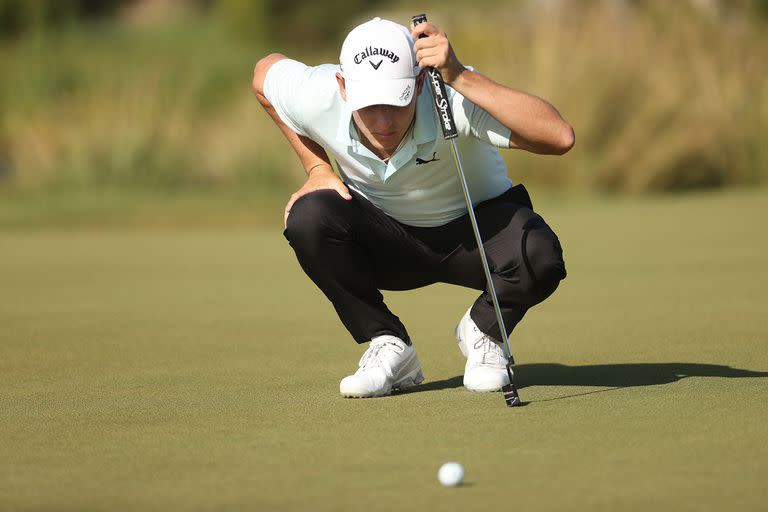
511	397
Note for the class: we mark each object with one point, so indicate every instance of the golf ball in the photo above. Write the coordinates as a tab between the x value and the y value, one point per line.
451	474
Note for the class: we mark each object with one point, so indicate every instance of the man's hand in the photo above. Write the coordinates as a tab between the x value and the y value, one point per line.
321	177
435	51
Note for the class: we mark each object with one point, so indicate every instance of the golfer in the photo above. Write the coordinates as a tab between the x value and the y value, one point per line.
396	218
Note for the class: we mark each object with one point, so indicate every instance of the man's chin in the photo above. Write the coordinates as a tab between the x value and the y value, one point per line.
387	146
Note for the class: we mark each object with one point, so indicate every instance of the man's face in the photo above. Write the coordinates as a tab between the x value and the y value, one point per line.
382	127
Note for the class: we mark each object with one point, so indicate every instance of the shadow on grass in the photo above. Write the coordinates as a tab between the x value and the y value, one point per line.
612	376
621	375
435	385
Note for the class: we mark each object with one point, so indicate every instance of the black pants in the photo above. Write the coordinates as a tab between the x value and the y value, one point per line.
352	250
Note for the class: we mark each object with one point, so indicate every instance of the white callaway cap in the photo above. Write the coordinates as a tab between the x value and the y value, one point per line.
378	65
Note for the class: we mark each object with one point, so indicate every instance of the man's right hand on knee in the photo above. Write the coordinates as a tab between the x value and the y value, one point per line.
321	177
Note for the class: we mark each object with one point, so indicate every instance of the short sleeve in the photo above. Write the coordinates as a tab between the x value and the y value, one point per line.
486	128
478	122
285	87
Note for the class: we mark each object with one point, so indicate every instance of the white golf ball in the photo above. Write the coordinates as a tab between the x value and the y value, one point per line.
451	474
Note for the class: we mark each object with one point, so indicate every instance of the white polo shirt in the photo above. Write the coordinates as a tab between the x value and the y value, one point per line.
419	185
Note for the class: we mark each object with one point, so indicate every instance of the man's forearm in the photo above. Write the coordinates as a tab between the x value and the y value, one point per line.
311	154
313	157
536	125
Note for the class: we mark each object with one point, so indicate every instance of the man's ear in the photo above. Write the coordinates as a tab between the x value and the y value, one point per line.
342	86
420	81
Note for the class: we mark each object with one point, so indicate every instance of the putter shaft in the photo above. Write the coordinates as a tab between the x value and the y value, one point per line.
511	396
481	248
448	126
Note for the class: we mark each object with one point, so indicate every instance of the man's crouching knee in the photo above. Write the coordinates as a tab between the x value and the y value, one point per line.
316	215
543	258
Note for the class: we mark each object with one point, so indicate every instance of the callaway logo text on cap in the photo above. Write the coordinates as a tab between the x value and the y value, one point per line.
376	51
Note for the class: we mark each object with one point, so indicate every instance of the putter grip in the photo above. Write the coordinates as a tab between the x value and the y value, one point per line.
442	105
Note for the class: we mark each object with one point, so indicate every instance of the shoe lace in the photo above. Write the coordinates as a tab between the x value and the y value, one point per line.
491	351
377	351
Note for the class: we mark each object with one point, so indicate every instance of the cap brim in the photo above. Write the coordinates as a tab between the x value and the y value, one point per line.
364	93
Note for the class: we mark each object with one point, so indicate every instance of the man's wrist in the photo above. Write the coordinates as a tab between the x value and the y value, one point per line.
321	167
459	79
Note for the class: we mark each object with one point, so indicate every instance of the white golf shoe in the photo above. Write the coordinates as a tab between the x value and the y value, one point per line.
486	368
387	364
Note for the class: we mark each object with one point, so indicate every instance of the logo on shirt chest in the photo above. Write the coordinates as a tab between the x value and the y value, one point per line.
419	161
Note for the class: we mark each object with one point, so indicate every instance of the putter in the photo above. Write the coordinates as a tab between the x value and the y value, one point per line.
445	114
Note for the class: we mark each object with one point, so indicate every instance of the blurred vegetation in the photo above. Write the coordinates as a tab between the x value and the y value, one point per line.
291	22
155	95
664	96
24	16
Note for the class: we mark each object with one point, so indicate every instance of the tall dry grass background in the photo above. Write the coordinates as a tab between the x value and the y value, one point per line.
663	96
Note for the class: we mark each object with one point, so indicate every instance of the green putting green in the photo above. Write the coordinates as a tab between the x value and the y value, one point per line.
169	369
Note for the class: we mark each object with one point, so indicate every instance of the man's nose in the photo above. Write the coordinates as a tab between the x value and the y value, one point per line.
384	116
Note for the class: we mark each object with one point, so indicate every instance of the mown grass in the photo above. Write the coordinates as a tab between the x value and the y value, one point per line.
662	96
174	369
135	206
